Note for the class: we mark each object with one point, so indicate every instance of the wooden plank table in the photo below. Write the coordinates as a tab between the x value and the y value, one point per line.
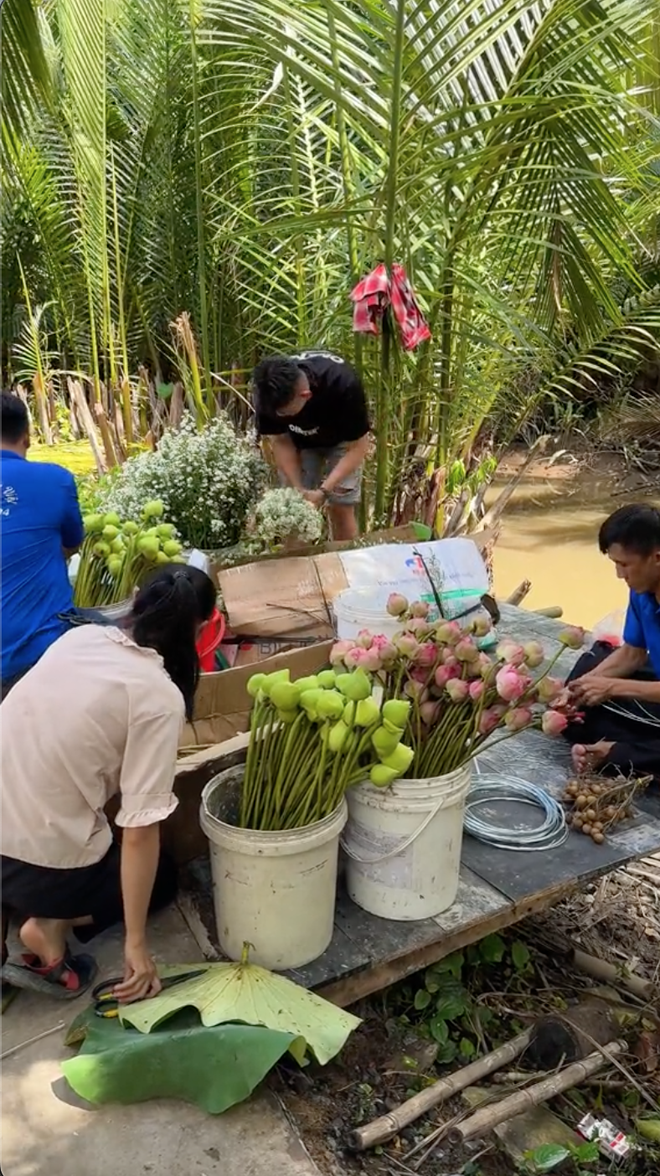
497	887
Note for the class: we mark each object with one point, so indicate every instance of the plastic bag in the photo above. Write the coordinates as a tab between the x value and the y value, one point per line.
610	629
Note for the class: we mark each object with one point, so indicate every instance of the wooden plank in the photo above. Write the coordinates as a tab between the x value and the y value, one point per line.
382	974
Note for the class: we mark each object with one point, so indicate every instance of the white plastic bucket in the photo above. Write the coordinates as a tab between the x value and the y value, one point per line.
354	610
403	845
275	891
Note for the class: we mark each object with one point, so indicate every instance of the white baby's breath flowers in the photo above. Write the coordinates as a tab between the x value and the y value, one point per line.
285	514
208	482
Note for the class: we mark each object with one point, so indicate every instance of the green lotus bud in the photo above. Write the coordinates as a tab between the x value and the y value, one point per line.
309	700
385	742
117	545
393	729
367	712
114	567
285	695
130	528
255	684
397	711
153	509
349	713
93	524
101	548
287	716
110	531
330	704
148	547
355	686
311	682
381	776
337	737
171	547
111	519
269	680
400	759
166	530
327	679
161	558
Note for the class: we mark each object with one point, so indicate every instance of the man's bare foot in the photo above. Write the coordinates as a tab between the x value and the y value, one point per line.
588	756
45	938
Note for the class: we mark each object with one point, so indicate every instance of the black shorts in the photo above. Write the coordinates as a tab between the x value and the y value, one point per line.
42	892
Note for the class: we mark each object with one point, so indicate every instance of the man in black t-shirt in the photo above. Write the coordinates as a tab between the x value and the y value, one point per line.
313	409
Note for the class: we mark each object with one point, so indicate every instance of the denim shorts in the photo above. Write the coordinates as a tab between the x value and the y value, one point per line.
316	465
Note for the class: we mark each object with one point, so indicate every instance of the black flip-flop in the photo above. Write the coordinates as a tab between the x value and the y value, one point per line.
69	978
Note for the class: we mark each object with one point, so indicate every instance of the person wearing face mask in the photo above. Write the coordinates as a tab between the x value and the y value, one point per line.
100	714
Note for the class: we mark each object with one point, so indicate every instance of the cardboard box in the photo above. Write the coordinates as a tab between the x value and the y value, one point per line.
222	702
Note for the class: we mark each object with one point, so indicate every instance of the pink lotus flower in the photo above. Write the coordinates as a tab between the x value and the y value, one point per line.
418	626
419	608
534	654
466	650
476	689
548	689
489	721
444	674
396	604
449	657
364	659
448	632
481	626
406	644
486	666
510	684
457	689
364	639
414	689
426	654
339	651
420	674
553	722
507	651
385	649
518	718
429	712
572	636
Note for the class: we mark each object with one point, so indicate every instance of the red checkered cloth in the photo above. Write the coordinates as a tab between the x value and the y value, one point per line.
376	292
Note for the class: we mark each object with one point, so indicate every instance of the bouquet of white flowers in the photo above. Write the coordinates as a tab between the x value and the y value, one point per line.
283	515
208	482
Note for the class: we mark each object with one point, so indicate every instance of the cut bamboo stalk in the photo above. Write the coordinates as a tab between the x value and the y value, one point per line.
488	1117
554	611
519	593
106	436
602	970
389	1125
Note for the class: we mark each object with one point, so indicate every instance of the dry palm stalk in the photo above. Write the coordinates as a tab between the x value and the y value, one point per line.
486	1118
389	1125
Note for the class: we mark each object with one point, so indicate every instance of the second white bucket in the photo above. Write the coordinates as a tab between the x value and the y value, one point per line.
354	610
275	891
403	845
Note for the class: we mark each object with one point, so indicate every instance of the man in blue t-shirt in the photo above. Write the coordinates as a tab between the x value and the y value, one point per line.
619	688
40	527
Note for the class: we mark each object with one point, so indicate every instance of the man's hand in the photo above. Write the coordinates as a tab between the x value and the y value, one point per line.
316	497
140	975
592	690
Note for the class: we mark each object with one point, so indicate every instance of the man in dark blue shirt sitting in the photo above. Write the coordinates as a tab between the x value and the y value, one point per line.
40	527
619	689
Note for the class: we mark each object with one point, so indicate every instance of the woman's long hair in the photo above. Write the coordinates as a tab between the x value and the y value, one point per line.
166	616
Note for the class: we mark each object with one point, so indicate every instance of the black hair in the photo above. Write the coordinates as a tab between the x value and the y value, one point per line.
15	419
635	528
166	613
274	381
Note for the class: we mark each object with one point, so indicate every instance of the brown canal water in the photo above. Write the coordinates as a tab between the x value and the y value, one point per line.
550	536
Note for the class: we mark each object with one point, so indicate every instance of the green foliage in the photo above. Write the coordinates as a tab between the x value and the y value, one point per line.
550	1155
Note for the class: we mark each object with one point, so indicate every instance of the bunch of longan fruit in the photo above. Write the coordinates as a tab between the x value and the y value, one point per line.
597	805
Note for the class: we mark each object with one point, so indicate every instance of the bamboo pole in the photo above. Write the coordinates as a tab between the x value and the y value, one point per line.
488	1117
387	1126
602	970
87	421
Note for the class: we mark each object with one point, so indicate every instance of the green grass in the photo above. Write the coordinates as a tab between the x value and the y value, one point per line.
75	456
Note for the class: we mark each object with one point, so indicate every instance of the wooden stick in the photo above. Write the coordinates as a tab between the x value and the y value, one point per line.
488	1117
519	593
387	1126
602	970
554	611
31	1040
